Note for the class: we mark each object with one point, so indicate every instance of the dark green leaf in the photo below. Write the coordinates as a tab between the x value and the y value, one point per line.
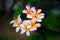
18	11
51	22
32	37
37	37
50	35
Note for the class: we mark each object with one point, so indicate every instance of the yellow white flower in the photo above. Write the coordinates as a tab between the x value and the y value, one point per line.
16	23
33	24
36	14
25	27
28	10
28	25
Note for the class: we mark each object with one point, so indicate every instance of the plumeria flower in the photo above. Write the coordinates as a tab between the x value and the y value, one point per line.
28	10
33	24
16	23
25	27
36	14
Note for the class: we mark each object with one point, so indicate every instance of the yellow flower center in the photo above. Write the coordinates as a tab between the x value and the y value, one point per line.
26	29
16	20
35	15
28	11
32	23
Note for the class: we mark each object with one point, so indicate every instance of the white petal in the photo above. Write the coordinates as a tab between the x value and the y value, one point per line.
19	19
18	16
31	29
29	16
22	31
14	25
24	11
28	33
28	26
39	10
27	7
33	9
42	14
35	28
12	21
41	17
22	25
38	24
39	20
17	29
25	22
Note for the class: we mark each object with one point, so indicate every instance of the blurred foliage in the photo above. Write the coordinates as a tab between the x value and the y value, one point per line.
40	36
46	35
32	37
50	35
51	22
18	11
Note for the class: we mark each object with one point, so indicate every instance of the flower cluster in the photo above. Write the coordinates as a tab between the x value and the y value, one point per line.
28	25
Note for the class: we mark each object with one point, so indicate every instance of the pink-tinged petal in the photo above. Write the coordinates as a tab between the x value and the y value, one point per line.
27	7
12	21
17	29
29	16
35	28
33	20
39	10
22	31
38	24
22	25
24	11
28	33
33	9
31	29
26	22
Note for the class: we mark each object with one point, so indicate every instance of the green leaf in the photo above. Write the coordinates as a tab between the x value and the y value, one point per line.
51	22
50	35
41	36
37	37
32	37
18	11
